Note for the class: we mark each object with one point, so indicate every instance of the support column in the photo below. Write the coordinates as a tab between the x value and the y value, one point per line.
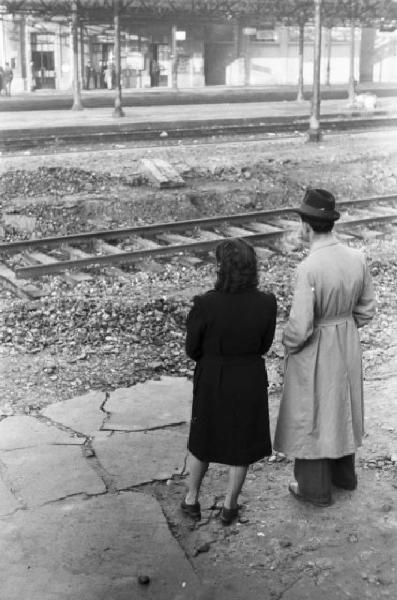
238	77
314	134
118	110
247	62
329	51
301	48
77	105
174	58
22	45
29	85
352	85
82	65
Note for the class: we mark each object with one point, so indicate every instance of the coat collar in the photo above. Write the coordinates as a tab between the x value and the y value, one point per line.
322	243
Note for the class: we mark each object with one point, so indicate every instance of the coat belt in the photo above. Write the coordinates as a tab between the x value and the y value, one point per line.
222	359
336	320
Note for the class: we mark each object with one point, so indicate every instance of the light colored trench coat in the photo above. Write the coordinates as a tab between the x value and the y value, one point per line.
321	411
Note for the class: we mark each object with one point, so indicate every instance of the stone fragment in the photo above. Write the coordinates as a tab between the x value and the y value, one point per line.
202	548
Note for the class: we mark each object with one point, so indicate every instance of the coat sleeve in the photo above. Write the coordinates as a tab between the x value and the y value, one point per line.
300	324
267	338
365	308
195	327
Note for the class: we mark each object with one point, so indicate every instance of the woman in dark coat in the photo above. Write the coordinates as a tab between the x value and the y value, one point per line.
229	329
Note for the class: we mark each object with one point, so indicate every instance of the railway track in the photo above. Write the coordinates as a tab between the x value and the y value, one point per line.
271	231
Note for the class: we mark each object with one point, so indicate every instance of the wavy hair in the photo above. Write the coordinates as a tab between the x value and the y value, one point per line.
237	266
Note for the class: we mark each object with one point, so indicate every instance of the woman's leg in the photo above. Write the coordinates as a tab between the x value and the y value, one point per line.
197	470
236	481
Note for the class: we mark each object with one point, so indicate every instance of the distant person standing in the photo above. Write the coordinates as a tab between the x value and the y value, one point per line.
321	418
7	79
154	73
1	79
109	76
88	74
101	74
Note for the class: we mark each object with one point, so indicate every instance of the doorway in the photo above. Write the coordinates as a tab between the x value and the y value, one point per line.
217	57
43	61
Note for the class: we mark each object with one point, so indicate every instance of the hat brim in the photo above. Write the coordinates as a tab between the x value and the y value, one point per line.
318	215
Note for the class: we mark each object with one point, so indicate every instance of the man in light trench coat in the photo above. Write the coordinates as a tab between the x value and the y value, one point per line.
320	422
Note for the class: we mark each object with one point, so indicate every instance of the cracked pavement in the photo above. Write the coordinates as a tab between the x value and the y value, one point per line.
89	500
75	521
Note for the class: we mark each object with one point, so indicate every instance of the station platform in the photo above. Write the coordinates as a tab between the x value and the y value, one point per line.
160	96
50	122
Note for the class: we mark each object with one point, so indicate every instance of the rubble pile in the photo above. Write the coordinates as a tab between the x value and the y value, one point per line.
59	181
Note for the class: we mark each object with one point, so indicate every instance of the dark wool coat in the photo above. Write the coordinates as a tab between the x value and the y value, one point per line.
227	335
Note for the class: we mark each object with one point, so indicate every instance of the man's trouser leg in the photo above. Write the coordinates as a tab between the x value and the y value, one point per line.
314	479
343	473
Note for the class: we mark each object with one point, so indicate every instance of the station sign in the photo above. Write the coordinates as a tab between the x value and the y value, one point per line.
249	30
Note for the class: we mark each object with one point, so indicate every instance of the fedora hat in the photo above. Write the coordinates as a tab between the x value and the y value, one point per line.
318	205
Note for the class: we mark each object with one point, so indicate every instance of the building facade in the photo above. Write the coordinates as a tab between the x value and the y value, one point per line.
207	53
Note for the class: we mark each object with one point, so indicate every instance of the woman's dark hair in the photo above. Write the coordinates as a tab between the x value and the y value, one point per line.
237	266
317	225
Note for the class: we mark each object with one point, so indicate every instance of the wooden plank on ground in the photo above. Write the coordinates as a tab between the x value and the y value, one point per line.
161	173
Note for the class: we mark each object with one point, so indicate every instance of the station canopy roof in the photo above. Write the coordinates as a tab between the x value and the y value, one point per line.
95	10
137	7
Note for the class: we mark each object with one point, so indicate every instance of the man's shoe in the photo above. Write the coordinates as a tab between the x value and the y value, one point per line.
192	510
228	515
294	489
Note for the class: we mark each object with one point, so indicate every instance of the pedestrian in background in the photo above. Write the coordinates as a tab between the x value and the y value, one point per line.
109	76
320	421
8	76
229	329
101	74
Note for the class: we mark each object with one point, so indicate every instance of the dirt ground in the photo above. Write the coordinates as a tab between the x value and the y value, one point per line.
280	548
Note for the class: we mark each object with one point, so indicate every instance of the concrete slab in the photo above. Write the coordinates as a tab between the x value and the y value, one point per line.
48	473
82	414
93	550
149	405
24	432
136	458
8	502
